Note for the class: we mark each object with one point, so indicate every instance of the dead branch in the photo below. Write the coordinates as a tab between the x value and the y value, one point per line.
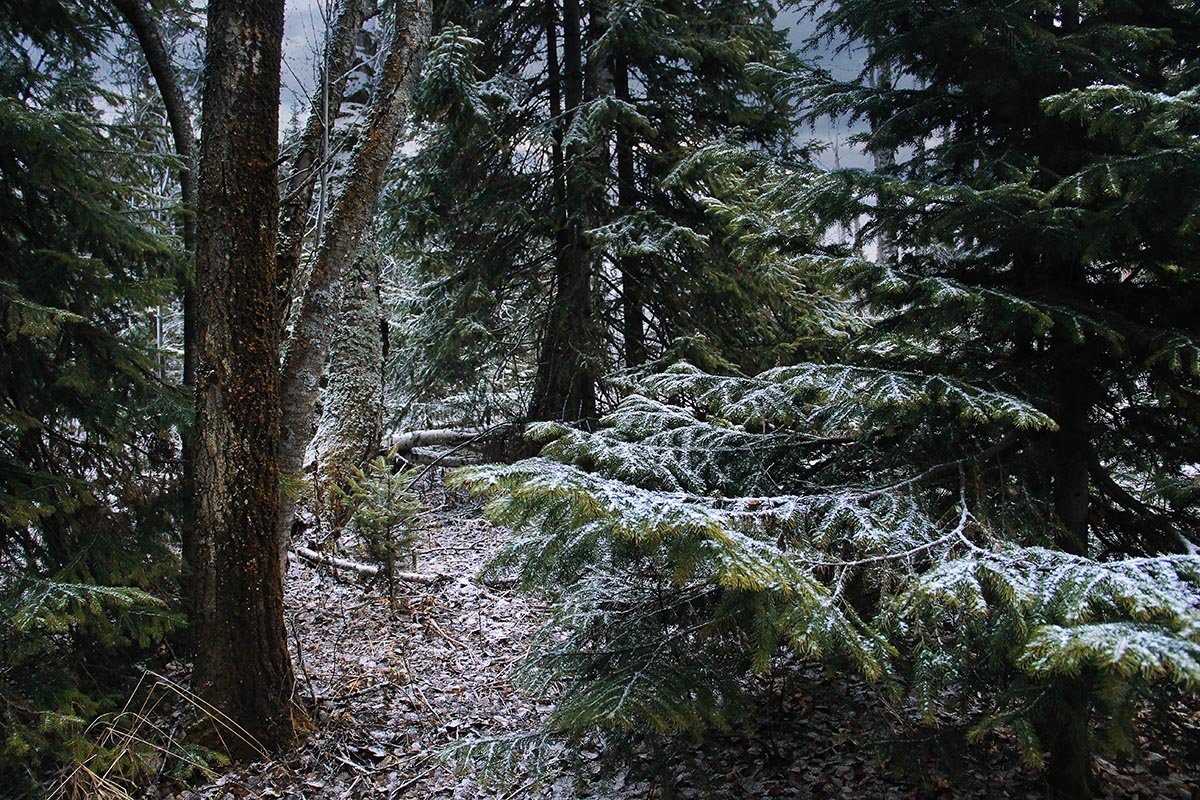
364	570
404	442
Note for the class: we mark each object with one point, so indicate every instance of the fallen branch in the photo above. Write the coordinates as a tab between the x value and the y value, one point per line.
428	456
365	570
403	442
441	459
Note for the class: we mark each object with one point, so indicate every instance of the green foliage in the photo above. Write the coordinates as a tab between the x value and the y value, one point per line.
975	480
381	507
480	211
88	463
681	553
49	628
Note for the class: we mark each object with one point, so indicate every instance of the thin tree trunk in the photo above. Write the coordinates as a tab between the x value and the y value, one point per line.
569	354
885	160
633	315
307	163
1065	735
180	119
242	666
554	82
308	347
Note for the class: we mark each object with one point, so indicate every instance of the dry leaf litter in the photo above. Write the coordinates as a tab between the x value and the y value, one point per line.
398	682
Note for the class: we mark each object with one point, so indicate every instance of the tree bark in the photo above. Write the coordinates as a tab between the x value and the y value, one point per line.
242	666
308	347
569	354
307	163
179	117
352	409
633	315
1065	733
884	159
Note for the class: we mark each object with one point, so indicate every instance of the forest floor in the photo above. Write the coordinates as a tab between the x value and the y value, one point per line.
397	683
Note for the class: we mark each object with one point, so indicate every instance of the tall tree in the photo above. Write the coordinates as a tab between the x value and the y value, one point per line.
1071	280
179	118
305	359
569	343
242	667
541	199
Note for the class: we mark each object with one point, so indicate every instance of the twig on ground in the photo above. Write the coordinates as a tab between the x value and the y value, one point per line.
365	570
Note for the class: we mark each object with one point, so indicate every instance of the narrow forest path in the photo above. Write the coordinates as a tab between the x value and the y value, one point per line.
396	686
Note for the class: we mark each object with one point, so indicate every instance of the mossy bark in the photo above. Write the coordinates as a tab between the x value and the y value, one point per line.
352	408
242	667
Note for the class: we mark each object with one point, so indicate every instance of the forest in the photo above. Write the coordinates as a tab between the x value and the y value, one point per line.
599	399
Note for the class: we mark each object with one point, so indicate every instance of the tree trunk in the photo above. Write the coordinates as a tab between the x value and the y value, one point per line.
569	356
1065	736
307	163
242	666
633	315
1064	733
885	159
180	119
352	409
308	347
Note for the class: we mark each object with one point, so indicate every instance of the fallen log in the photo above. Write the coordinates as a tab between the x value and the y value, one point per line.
403	442
365	570
442	458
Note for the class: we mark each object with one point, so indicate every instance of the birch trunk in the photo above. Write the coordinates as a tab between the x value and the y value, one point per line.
633	314
307	163
352	408
308	347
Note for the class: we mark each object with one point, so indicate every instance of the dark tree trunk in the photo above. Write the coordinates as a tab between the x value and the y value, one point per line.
1065	737
242	666
1064	733
569	353
884	158
180	119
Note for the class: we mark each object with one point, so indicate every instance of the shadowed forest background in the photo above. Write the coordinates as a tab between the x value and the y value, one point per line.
599	398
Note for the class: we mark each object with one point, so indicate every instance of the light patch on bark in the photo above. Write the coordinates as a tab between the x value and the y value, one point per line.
352	411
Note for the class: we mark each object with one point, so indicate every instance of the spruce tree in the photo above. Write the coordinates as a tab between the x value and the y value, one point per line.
88	466
985	496
538	214
1047	222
